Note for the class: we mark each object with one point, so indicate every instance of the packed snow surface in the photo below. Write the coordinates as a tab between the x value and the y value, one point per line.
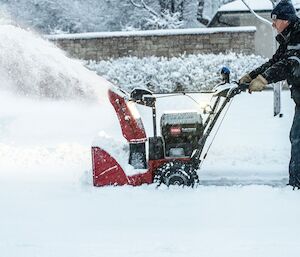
49	207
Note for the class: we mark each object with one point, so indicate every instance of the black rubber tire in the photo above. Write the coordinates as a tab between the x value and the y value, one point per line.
176	173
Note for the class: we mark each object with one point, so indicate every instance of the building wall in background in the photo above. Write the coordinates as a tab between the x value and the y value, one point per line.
264	37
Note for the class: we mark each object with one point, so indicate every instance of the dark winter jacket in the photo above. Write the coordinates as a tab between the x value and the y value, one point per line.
285	63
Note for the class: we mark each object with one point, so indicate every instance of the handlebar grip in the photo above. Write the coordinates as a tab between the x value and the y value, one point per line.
244	86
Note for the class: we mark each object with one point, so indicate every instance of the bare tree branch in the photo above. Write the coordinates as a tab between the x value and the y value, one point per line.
256	15
136	5
274	2
144	6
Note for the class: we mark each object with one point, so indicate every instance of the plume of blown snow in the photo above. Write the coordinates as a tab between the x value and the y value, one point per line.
32	66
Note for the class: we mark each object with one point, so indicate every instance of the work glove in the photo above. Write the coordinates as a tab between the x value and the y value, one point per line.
258	84
245	79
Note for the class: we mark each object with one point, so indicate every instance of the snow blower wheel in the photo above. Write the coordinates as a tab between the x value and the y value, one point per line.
176	173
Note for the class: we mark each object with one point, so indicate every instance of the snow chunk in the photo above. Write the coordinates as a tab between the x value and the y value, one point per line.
119	150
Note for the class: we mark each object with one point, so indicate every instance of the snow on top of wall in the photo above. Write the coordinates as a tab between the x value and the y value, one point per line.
256	5
150	33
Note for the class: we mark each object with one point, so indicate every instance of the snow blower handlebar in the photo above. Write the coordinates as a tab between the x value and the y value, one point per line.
243	87
228	93
226	90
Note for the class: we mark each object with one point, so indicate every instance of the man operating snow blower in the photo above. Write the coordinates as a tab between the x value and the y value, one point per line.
284	65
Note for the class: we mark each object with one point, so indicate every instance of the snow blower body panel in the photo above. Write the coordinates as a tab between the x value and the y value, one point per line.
106	169
129	118
181	132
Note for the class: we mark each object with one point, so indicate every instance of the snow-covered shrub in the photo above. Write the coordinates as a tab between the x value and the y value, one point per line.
167	20
159	74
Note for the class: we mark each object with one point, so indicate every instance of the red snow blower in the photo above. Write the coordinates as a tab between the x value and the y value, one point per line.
173	157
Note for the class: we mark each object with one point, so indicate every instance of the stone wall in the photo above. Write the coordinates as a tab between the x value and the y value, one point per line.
168	43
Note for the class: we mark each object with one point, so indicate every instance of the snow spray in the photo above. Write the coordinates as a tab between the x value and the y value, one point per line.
33	66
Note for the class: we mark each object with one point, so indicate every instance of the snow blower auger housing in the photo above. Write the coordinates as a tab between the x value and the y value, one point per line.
174	157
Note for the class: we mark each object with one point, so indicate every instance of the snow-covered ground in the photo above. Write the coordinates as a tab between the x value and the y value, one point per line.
49	207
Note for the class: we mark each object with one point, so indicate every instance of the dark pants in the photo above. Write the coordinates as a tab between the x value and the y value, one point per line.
294	168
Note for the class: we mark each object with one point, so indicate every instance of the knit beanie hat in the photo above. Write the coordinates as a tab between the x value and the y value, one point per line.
284	10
